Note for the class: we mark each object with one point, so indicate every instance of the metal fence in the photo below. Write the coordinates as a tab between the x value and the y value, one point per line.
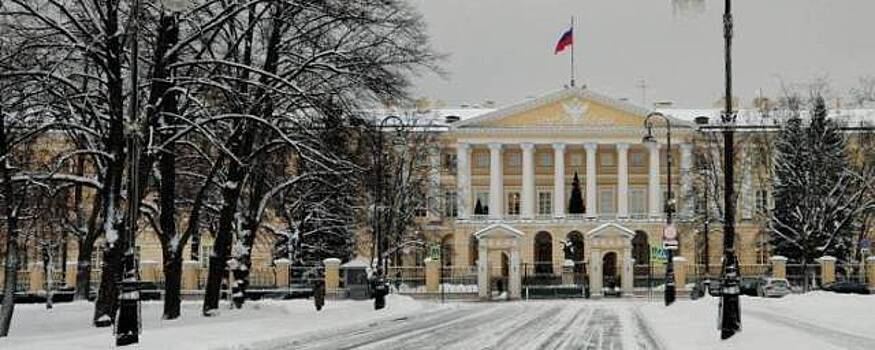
796	275
851	272
407	279
459	280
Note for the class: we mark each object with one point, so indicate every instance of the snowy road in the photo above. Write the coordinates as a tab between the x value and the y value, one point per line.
518	325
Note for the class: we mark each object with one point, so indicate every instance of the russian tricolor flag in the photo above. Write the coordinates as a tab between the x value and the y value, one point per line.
566	40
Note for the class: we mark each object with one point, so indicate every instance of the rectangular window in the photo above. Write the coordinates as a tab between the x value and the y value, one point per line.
545	159
481	202
636	159
606	159
762	201
96	258
514	159
449	162
450	204
545	203
206	252
576	159
421	209
481	160
513	203
638	200
606	201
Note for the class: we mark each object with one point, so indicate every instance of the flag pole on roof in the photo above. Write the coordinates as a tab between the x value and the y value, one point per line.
572	51
566	40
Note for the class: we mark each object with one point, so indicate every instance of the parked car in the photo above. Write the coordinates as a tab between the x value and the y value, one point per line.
773	287
750	286
847	287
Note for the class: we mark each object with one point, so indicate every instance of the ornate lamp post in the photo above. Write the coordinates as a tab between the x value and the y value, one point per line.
669	234
730	313
399	146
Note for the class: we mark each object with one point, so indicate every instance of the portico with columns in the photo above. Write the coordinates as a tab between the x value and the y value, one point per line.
518	163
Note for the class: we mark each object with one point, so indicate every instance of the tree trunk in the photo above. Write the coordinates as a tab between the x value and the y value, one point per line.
222	245
113	213
11	272
83	270
172	287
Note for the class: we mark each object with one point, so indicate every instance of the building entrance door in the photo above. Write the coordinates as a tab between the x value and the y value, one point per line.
610	278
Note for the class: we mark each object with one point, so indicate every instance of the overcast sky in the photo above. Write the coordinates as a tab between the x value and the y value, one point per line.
502	50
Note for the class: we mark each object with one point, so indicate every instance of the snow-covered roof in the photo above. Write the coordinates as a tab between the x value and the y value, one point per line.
752	117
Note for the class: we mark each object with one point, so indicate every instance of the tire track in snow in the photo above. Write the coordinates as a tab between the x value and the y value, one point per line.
457	335
520	333
846	340
644	335
341	338
565	334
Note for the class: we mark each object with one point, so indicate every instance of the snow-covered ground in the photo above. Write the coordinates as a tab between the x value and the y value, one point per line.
822	321
68	325
817	320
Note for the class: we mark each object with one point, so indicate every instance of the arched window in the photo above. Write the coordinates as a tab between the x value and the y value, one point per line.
474	251
447	250
543	253
641	248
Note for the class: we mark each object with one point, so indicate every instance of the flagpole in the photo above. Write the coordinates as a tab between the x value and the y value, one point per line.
572	51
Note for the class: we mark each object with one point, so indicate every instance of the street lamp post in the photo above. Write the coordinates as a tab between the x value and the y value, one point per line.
730	313
380	279
128	327
669	235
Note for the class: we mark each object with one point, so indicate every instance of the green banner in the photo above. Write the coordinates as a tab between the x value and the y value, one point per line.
434	251
658	255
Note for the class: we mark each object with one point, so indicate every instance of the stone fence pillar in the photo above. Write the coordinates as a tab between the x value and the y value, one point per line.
870	267
568	272
281	271
70	278
680	272
149	270
432	275
190	275
37	276
332	275
827	269
779	266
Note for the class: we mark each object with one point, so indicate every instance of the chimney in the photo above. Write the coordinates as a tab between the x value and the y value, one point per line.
663	104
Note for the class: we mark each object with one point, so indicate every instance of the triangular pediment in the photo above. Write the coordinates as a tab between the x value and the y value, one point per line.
611	230
499	231
570	107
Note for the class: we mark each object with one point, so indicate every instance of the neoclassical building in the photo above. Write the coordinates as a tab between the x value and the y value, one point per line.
511	174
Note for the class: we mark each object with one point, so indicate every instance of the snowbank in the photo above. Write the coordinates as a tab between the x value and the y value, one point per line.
68	325
816	321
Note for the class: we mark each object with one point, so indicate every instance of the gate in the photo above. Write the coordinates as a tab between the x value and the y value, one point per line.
543	281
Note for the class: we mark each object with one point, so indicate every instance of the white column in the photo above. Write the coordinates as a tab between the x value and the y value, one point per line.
591	182
687	179
514	279
463	180
528	197
747	194
623	180
434	183
559	180
655	188
483	269
496	182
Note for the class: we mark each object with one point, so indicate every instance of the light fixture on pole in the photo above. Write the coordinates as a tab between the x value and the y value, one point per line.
669	233
380	286
730	310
